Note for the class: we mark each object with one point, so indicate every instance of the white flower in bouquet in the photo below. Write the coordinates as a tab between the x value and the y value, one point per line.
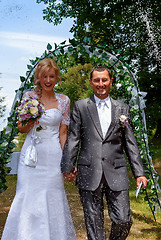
34	110
35	102
30	109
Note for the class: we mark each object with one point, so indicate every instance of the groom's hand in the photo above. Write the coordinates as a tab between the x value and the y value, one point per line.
143	180
70	176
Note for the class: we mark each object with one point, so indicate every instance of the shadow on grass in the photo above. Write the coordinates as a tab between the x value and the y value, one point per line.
155	227
142	218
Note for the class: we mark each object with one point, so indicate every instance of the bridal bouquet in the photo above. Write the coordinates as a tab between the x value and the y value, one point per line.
30	109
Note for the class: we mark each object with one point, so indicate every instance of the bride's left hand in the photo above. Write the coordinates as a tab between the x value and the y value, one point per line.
70	176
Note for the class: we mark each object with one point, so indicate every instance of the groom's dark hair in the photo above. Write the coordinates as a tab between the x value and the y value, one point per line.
100	69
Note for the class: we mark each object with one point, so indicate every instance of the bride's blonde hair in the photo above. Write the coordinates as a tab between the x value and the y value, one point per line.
43	67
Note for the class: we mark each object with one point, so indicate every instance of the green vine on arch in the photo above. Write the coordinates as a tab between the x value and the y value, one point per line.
125	88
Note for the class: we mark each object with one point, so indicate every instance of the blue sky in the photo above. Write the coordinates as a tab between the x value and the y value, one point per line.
24	35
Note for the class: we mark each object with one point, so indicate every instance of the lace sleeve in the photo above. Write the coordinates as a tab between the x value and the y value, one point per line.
66	111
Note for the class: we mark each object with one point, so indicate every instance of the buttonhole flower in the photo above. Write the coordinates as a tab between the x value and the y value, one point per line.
124	120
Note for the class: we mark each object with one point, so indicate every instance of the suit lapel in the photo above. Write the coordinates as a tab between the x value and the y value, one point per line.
91	105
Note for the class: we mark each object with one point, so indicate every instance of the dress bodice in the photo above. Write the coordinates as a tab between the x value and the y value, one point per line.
49	123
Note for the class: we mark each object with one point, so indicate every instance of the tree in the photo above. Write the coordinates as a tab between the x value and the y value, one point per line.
132	26
75	82
122	23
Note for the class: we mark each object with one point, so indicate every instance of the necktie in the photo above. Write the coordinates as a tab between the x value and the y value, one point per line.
103	116
102	104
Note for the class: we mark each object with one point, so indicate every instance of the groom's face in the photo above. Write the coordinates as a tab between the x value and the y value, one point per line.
101	83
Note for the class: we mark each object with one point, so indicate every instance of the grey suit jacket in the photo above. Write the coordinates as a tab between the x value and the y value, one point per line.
94	155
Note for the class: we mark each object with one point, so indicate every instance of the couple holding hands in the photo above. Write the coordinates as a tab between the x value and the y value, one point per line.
91	150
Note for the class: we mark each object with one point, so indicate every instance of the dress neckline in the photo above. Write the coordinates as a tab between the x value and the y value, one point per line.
52	109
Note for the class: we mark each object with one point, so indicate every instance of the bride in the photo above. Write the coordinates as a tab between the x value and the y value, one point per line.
40	209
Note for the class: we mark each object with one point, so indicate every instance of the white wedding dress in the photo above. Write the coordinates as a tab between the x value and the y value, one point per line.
40	209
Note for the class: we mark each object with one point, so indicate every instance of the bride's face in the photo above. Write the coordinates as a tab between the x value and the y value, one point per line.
48	80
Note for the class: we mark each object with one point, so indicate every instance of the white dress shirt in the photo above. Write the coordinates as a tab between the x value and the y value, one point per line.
104	113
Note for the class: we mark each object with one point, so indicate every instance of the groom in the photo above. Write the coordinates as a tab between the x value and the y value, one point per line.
99	134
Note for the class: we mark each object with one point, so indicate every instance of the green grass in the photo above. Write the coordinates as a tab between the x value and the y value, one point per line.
155	150
144	226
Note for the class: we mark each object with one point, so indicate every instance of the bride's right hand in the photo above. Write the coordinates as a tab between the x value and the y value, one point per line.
25	128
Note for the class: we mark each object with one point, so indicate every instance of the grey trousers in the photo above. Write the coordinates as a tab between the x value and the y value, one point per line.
118	208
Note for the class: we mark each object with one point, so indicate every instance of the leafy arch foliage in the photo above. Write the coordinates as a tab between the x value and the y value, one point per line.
125	88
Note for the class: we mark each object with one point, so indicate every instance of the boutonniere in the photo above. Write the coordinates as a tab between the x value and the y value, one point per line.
124	120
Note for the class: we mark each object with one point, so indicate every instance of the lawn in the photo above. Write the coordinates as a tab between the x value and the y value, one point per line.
144	226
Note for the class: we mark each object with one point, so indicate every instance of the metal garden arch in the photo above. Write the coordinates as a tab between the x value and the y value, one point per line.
126	88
